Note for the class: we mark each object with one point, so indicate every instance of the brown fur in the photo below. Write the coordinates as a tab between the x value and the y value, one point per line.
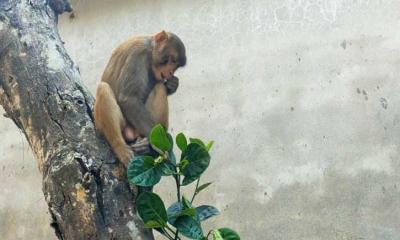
130	97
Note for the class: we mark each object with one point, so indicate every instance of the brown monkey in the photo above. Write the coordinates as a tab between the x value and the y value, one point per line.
132	95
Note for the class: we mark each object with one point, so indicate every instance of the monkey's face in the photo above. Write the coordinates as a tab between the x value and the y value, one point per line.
168	55
167	68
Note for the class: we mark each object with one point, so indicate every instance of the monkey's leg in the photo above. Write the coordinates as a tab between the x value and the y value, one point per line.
157	104
110	121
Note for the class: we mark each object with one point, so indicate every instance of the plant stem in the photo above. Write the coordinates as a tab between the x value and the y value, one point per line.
209	233
172	231
195	190
178	194
167	234
168	228
178	186
176	236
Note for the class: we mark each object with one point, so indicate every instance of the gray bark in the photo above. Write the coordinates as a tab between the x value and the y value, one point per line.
40	89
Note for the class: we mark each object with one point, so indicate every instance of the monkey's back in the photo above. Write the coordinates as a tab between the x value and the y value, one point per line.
123	62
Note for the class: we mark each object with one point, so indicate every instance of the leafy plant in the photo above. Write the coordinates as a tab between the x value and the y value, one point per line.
182	217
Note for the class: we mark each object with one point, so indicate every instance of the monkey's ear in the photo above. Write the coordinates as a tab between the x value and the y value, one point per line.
161	36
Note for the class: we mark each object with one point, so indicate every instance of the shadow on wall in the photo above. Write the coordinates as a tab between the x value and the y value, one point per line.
331	209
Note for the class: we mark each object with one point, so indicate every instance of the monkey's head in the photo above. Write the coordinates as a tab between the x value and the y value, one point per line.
168	54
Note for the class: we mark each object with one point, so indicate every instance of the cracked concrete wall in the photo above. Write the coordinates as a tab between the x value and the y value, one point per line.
300	96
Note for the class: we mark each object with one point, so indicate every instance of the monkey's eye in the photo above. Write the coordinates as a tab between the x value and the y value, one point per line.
172	59
164	61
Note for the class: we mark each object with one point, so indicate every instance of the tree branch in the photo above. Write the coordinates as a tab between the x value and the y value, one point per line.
41	91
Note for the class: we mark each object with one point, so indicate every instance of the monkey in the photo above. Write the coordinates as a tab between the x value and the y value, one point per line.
131	97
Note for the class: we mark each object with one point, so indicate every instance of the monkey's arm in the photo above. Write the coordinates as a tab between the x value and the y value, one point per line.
133	83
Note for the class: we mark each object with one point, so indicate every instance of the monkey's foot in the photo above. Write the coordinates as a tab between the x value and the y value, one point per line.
141	146
124	154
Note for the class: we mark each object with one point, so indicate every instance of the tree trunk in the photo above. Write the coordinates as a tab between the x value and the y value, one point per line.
41	91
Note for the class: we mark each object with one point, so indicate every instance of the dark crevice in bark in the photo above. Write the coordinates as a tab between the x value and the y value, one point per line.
89	110
86	172
84	169
49	111
99	193
55	121
54	224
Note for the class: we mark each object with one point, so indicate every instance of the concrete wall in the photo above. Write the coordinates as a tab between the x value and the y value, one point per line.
301	98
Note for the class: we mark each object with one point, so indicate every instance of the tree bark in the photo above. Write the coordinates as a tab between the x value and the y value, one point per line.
41	91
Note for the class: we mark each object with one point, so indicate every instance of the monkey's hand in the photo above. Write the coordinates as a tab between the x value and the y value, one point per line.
141	146
172	85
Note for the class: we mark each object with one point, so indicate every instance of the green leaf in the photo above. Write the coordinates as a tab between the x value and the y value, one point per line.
191	212
167	169
202	187
186	203
228	234
189	180
189	227
173	212
159	139
216	235
181	142
198	141
209	145
198	161
171	140
177	210
205	212
171	157
153	224
151	209
183	216
143	171
183	164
